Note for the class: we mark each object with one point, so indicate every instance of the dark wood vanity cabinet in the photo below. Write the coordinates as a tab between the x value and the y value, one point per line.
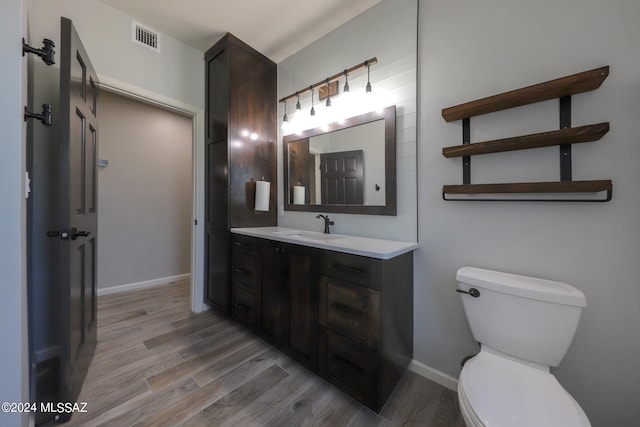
246	273
240	149
281	302
275	293
347	317
304	267
366	324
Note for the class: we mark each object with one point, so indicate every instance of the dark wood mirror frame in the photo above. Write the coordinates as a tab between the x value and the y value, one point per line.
390	207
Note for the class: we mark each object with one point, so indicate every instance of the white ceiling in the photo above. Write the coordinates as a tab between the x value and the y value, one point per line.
276	28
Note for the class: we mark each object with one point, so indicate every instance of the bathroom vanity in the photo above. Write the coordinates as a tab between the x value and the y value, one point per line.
340	305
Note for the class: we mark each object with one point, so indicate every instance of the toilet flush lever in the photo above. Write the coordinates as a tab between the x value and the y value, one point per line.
472	291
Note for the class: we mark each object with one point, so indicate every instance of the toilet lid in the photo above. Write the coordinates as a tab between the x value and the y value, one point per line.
502	392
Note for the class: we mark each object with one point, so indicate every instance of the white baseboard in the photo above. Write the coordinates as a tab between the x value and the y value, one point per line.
142	285
434	375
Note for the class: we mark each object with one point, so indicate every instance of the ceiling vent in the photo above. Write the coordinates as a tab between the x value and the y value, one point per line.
145	36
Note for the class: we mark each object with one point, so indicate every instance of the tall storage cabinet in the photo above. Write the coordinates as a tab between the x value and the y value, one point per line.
240	132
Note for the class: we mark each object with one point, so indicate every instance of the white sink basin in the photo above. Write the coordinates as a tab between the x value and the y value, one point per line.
309	235
320	236
364	246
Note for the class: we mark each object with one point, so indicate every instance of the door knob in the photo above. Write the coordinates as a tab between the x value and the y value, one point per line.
63	234
75	233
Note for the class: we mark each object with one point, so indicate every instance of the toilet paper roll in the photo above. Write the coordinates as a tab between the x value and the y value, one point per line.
298	195
262	195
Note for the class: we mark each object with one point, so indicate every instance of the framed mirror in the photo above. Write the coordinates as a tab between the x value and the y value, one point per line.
345	167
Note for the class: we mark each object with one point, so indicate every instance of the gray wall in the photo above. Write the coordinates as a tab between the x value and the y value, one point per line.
471	49
145	194
386	31
13	326
176	72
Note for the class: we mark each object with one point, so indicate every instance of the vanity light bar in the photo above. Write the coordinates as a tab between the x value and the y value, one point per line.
323	82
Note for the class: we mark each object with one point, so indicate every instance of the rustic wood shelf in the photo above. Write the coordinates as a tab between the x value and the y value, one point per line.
538	188
531	187
564	86
545	139
561	88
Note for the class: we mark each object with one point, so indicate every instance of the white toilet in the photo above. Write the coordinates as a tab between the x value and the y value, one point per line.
524	325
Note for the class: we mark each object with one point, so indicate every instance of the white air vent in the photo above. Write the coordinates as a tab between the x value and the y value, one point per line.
145	36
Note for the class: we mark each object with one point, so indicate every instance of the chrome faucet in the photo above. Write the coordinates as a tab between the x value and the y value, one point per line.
327	222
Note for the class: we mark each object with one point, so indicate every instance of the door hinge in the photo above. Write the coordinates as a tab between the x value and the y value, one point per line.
47	53
44	117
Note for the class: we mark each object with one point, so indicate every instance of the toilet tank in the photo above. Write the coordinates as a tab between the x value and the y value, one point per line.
525	317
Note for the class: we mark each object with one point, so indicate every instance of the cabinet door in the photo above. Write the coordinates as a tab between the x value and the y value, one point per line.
217	236
245	270
217	193
275	294
303	273
352	310
217	269
217	82
246	309
351	366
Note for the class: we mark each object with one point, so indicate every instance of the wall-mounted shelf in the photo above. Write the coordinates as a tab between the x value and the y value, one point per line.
533	188
545	139
561	88
564	86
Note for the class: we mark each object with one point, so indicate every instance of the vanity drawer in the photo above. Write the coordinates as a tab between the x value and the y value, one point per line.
351	367
245	270
246	244
350	309
245	308
353	268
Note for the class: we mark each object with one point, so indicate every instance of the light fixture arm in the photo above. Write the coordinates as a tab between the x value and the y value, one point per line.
331	79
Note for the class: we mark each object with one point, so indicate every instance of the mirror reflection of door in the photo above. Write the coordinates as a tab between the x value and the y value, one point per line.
342	178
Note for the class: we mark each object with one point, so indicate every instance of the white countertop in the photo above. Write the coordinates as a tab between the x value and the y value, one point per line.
365	246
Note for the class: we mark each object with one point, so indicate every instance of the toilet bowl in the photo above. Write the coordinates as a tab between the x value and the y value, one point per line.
496	391
524	326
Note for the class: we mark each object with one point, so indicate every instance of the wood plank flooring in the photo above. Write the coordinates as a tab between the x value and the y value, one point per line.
158	364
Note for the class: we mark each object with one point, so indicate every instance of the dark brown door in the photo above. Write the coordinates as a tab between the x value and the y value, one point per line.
342	175
76	189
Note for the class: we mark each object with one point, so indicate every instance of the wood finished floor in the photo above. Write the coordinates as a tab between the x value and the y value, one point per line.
158	364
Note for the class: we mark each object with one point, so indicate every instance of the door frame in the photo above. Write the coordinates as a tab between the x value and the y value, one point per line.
197	209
